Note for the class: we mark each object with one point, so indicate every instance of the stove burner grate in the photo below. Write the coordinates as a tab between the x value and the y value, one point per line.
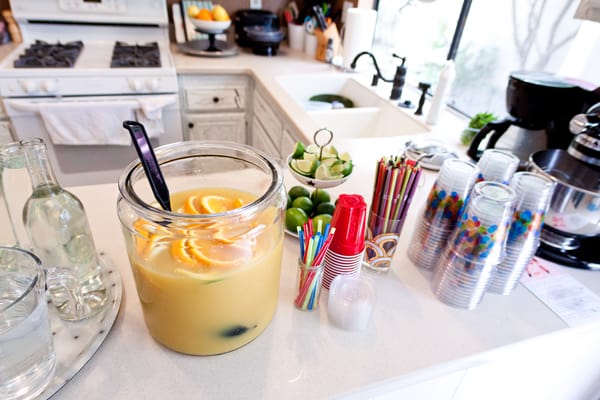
135	56
49	55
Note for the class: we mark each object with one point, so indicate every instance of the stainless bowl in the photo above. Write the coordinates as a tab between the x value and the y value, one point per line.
575	205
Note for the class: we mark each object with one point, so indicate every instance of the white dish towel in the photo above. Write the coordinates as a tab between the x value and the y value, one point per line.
101	122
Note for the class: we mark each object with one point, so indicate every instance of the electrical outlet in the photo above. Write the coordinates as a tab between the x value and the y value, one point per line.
255	4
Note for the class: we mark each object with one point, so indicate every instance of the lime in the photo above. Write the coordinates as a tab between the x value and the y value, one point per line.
341	167
295	217
312	148
319	196
345	156
324	218
324	174
298	191
329	151
325	208
303	203
289	201
298	150
304	167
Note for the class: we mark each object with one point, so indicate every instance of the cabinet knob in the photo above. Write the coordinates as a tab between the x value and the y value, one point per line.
215	99
190	125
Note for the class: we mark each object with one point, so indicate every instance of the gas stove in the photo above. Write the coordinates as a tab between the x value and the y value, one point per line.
84	67
77	48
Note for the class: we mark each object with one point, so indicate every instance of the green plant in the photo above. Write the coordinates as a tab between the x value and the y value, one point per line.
478	121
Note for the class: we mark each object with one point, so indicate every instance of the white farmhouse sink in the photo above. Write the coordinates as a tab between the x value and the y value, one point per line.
372	115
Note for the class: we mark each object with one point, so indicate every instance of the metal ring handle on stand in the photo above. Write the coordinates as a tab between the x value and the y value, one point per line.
324	144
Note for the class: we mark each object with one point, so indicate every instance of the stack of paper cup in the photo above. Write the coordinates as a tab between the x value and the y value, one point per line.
345	254
441	212
533	198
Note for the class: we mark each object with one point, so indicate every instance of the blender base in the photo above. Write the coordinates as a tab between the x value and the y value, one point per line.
586	256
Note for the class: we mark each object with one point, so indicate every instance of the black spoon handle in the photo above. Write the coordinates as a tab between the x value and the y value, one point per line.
149	162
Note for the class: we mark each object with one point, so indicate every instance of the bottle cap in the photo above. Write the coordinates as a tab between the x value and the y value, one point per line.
349	220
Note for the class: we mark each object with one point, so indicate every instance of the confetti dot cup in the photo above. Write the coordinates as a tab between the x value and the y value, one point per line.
497	166
441	211
475	247
533	193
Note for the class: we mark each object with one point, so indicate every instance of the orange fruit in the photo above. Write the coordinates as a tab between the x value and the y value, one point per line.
192	205
212	204
147	237
181	252
204	14
219	255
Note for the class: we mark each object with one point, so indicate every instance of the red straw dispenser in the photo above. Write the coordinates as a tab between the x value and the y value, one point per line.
349	220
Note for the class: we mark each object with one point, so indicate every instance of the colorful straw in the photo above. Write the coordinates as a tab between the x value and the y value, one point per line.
312	252
396	179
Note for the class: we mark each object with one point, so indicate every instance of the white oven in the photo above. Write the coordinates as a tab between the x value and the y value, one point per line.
83	67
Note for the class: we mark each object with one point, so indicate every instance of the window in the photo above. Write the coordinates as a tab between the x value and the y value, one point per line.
499	37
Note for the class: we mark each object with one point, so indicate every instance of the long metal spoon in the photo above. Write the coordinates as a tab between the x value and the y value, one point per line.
149	162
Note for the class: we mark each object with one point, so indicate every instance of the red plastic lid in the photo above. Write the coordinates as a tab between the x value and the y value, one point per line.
349	220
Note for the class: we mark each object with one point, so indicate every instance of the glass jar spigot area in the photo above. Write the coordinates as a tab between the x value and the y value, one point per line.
207	273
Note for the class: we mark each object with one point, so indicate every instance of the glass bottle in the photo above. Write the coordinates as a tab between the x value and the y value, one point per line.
58	228
15	188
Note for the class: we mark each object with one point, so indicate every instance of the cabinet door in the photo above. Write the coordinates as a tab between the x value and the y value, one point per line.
288	141
268	119
5	132
224	126
262	141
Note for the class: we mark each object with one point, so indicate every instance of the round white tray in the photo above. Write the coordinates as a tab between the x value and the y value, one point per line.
76	342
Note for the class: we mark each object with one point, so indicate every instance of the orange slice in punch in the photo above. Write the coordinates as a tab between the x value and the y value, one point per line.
212	204
216	254
147	237
181	252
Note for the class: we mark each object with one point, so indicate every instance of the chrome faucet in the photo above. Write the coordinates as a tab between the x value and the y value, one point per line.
397	81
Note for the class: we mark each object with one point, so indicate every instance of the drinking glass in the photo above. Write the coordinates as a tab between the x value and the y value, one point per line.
441	211
207	272
475	247
533	198
27	352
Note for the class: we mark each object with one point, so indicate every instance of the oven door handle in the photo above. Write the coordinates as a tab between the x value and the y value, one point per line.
20	105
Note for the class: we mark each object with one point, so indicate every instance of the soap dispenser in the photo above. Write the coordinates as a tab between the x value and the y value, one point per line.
399	80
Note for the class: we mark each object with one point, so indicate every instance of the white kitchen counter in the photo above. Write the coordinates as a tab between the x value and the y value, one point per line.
411	339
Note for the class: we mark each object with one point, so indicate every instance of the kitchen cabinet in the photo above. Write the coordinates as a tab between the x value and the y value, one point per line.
222	126
6	135
271	132
214	107
5	132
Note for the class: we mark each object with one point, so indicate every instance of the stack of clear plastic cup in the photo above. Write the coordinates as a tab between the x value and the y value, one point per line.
475	247
533	198
441	211
497	166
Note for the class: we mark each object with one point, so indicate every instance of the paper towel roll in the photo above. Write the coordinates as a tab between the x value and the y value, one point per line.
358	33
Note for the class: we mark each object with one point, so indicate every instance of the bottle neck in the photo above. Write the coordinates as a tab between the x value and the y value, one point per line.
38	164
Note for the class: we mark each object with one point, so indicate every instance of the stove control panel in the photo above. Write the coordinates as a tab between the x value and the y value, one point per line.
108	6
86	86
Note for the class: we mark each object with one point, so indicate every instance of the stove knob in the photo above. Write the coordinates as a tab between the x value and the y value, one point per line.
50	86
135	85
152	84
29	87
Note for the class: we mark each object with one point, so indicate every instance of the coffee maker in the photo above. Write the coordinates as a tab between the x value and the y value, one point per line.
540	106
